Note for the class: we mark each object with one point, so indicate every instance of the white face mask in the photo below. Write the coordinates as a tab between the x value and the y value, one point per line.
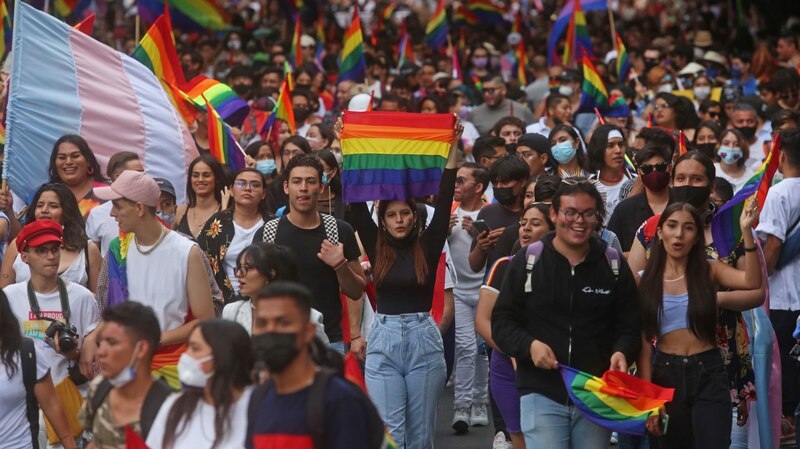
702	92
127	374
565	90
190	373
665	88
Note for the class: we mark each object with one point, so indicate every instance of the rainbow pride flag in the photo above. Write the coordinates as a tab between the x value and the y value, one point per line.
221	143
157	52
618	401
682	147
232	108
457	74
352	65
464	16
6	33
623	61
578	40
487	12
319	53
404	49
190	15
394	155
296	53
70	8
593	91
436	31
725	227
522	64
563	21
282	110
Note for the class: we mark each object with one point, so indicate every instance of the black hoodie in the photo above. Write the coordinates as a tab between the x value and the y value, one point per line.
583	313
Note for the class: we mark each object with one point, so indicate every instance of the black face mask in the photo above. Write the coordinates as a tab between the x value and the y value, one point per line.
706	148
747	131
505	195
301	114
241	89
276	349
694	195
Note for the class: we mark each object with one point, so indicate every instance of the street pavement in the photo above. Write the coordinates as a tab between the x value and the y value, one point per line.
476	438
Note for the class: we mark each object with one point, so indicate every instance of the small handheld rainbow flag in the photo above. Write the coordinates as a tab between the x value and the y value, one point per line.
282	110
190	15
577	37
623	61
230	106
618	401
682	148
221	143
725	225
522	64
319	53
394	155
593	91
296	53
436	30
352	65
405	52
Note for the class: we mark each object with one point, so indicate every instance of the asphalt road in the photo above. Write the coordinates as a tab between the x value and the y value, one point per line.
476	438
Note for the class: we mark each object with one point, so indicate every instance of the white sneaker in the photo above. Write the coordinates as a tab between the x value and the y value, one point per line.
500	442
479	415
461	419
614	438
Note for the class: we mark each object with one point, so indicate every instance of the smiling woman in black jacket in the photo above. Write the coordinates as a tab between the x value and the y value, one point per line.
570	307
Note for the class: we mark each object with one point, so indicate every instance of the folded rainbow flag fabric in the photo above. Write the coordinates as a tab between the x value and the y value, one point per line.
618	401
394	155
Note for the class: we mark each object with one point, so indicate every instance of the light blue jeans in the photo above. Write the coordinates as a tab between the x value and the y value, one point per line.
405	373
550	425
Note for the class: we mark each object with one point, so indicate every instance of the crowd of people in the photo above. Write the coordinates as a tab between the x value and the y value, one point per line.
559	236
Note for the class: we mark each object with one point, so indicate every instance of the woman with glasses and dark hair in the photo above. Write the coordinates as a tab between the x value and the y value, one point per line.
73	164
211	410
228	232
675	114
205	187
258	265
80	259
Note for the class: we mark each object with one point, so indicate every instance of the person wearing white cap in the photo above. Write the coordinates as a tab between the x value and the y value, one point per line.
308	46
161	268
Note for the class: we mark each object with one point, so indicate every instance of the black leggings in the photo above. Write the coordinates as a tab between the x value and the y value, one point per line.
700	412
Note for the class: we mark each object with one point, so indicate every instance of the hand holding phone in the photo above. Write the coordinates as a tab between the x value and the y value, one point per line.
480	226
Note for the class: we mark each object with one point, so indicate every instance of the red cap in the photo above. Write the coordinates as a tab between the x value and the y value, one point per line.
38	233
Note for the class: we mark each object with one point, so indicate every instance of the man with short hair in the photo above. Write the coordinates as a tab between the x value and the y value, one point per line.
166	202
471	367
779	230
271	78
534	149
161	268
328	267
710	110
125	394
745	120
486	151
573	304
279	410
496	106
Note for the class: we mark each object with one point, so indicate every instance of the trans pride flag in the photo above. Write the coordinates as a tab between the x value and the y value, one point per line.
108	98
618	401
394	155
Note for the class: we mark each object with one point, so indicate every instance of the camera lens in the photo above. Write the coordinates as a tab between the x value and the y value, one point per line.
66	344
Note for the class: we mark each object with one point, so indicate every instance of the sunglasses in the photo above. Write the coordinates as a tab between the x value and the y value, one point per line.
648	168
713	114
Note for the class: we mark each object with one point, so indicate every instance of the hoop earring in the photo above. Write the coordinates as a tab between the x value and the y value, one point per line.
90	171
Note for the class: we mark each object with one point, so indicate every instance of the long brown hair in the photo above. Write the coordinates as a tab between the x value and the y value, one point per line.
386	255
702	310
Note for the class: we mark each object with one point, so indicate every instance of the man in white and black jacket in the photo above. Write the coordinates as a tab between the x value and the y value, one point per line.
576	305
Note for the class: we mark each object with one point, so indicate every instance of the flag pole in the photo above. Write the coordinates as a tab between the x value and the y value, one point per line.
613	29
138	26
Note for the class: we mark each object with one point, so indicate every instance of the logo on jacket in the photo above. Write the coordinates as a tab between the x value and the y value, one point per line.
596	291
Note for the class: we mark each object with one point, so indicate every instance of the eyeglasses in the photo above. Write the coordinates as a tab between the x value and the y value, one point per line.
648	168
660	106
43	250
461	180
589	215
243	269
243	184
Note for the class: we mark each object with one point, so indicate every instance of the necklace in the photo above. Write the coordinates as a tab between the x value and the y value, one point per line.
675	280
155	245
198	224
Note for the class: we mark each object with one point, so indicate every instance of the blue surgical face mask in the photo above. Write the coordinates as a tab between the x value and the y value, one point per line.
563	152
266	167
325	179
730	155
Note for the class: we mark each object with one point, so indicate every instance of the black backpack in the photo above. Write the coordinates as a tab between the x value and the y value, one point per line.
27	356
152	403
316	410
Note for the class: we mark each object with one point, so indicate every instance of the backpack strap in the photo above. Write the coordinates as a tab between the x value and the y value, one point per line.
613	257
152	404
98	396
316	406
331	228
27	355
270	230
532	254
256	398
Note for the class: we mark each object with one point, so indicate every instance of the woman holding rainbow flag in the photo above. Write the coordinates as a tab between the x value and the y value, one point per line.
679	310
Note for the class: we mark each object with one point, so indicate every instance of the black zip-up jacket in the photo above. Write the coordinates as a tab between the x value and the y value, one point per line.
581	312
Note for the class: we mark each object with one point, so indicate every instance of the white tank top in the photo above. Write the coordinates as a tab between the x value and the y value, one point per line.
75	272
158	279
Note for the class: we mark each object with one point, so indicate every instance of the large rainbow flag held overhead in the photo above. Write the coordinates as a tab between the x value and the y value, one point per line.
618	401
725	225
394	155
76	76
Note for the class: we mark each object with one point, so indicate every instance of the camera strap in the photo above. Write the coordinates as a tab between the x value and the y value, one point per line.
62	296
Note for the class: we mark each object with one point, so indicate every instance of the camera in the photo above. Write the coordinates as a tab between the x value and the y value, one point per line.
67	335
